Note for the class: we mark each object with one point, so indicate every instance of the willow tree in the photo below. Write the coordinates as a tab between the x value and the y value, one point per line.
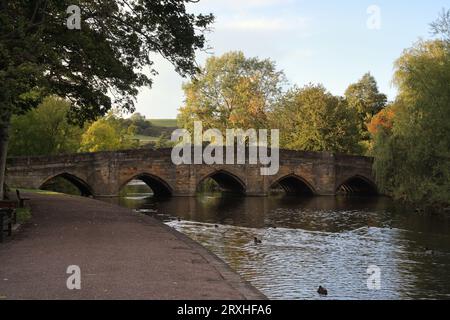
96	59
413	156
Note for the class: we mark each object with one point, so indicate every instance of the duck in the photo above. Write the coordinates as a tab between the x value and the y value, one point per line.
322	291
429	251
216	226
257	241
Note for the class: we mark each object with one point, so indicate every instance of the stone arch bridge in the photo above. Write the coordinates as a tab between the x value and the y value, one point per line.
103	174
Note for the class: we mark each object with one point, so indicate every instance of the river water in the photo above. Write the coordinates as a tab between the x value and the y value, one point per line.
307	242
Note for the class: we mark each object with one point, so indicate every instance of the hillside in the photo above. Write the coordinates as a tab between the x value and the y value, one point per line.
160	127
164	123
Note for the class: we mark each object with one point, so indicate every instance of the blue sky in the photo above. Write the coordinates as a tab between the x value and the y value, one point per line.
320	41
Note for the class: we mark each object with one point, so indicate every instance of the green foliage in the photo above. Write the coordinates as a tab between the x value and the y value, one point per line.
107	134
208	185
23	215
44	130
413	159
165	123
98	67
312	119
365	98
232	91
39	55
61	185
163	142
142	125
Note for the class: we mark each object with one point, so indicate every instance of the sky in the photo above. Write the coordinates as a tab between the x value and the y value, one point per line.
322	41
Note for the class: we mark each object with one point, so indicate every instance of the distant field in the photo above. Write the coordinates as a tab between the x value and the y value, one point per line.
160	127
145	139
165	123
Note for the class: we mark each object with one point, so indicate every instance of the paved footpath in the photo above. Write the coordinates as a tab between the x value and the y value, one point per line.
121	254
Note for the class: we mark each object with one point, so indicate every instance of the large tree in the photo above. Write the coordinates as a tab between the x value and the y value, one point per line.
312	119
413	156
232	91
98	66
364	97
44	130
107	134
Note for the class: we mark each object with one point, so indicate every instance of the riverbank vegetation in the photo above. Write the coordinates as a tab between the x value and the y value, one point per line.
412	137
23	215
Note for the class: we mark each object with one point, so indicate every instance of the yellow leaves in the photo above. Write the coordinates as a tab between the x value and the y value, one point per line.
232	91
105	135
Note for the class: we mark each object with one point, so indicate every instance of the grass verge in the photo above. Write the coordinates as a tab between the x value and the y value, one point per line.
23	215
38	191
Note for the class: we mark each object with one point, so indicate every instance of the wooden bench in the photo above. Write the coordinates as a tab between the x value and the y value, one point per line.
9	204
7	219
21	200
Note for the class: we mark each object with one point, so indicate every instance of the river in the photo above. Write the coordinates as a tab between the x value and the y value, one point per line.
307	242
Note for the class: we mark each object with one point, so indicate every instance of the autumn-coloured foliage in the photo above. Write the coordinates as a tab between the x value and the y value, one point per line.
232	91
382	120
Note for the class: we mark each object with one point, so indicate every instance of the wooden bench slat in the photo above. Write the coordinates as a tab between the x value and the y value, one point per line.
8	217
20	199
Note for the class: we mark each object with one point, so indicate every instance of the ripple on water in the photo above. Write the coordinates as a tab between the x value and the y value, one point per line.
292	263
328	241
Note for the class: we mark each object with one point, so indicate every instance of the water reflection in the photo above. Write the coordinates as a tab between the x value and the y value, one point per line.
309	242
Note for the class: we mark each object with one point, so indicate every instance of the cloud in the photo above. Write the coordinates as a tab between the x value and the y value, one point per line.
263	24
242	4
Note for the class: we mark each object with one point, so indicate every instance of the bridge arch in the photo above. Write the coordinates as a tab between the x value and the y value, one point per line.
227	181
158	185
357	184
294	184
83	187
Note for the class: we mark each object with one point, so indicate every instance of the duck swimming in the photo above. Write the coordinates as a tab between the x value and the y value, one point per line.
322	291
257	241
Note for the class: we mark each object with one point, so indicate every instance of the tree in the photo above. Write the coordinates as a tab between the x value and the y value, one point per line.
413	158
100	136
44	130
364	97
137	118
232	91
106	134
97	67
140	122
442	25
312	119
163	142
383	120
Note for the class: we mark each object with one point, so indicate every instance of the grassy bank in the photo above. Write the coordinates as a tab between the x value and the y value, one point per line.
23	215
39	191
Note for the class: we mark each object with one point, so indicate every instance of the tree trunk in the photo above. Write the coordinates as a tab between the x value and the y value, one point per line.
4	126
